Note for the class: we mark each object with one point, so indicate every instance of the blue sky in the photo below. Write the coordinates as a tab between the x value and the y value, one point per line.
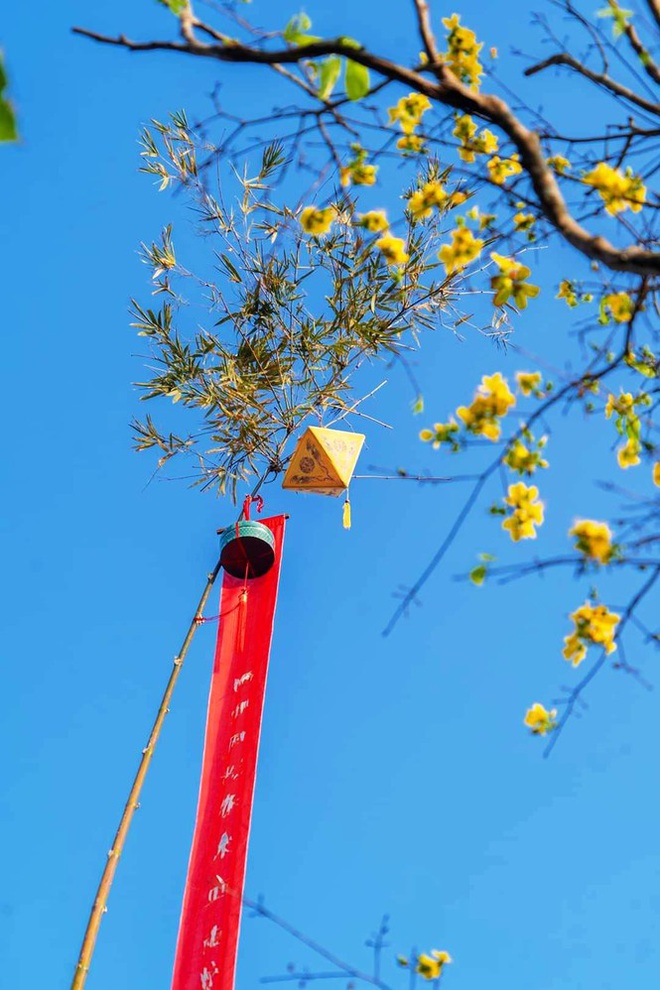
395	775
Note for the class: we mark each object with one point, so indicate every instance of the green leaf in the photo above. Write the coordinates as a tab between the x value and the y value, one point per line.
478	575
295	31
177	7
328	76
230	269
8	130
357	80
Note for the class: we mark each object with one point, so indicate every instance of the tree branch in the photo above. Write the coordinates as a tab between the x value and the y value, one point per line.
449	91
654	7
599	78
425	30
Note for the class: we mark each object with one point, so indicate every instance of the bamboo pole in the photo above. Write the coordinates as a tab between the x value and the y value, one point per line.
99	907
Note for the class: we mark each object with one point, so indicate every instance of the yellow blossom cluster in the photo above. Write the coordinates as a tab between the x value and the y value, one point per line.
628	424
462	55
529	383
618	190
423	200
314	221
620	306
499	169
358	172
393	249
656	474
527	511
473	144
540	720
374	221
594	624
485	219
567	292
441	433
523	223
491	402
559	164
430	966
408	114
523	459
593	540
464	248
511	282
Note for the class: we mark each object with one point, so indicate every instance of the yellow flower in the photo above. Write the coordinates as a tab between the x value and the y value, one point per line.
471	145
423	200
408	111
618	191
393	249
528	382
315	221
492	400
430	966
511	282
374	221
620	306
567	292
524	222
519	458
594	624
628	455
358	174
527	511
462	54
411	142
622	404
456	199
441	433
501	168
574	649
558	163
656	473
594	540
540	720
465	247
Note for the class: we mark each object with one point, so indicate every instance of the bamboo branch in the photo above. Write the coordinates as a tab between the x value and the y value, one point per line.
100	901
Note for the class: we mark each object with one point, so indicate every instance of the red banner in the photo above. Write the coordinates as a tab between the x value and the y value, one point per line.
211	913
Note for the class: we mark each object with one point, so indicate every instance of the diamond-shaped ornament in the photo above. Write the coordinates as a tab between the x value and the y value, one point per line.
323	461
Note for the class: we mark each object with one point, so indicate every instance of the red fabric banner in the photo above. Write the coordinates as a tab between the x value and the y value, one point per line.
210	917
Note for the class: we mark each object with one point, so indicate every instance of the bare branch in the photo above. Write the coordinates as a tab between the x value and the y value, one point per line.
654	7
425	30
599	78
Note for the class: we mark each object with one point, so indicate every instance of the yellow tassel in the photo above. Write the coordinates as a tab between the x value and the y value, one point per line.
347	514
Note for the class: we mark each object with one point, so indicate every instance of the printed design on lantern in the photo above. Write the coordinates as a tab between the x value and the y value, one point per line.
312	465
323	461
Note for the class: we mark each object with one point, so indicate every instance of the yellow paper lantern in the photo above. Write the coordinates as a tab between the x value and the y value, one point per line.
323	461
